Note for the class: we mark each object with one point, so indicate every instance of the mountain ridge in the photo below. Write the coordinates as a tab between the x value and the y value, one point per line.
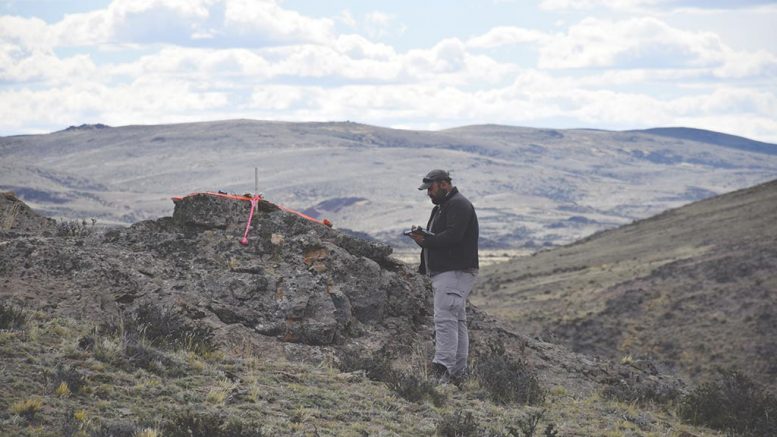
526	183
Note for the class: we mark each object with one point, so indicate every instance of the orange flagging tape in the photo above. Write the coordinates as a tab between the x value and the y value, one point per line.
324	222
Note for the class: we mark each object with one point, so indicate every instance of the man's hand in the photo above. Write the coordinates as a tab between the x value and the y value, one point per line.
417	237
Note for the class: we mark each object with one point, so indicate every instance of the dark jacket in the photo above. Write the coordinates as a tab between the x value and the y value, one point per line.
454	245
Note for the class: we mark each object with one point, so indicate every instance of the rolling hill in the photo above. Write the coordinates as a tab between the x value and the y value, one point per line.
533	187
692	288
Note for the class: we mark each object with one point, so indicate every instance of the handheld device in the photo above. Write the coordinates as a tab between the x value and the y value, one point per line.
418	230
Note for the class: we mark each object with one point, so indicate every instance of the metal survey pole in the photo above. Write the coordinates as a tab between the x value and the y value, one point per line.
256	181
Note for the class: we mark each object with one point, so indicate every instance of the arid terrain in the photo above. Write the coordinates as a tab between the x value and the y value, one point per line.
172	327
692	289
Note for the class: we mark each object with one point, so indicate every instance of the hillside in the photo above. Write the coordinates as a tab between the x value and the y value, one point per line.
173	327
693	288
533	187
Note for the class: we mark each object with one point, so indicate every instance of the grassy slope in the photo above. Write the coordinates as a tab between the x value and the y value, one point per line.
285	398
692	286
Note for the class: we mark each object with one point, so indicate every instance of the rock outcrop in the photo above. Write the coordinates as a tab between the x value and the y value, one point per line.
298	289
15	215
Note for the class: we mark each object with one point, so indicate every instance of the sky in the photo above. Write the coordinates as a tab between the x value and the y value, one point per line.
617	64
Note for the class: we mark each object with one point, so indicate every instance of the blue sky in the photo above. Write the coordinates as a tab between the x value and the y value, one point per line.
616	64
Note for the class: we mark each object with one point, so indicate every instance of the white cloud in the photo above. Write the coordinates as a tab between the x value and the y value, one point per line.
207	59
506	35
555	5
347	18
646	43
379	25
42	66
27	34
146	100
241	23
267	20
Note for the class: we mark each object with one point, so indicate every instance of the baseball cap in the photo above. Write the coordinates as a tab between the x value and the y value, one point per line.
434	176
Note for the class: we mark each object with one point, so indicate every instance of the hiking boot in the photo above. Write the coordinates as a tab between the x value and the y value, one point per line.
444	379
460	378
438	370
440	373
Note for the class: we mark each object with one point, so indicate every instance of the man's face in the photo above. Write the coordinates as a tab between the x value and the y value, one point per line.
437	191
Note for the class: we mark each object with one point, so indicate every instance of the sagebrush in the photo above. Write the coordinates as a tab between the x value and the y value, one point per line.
731	402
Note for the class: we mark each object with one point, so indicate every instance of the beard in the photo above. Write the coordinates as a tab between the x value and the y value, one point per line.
438	196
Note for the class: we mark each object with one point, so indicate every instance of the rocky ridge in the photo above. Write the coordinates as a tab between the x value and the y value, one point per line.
298	290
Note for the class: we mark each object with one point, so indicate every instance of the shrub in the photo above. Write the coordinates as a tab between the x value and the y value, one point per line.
166	328
376	367
72	379
148	432
458	425
130	349
526	427
62	390
190	424
141	332
75	423
464	425
74	228
11	317
413	387
27	408
508	380
408	385
732	403
144	357
117	429
86	343
635	389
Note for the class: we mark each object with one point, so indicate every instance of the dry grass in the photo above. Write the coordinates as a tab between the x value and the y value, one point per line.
262	394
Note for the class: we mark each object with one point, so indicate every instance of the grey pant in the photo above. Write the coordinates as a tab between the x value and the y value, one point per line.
451	290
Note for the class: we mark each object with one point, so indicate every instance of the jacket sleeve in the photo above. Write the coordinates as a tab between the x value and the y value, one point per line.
459	215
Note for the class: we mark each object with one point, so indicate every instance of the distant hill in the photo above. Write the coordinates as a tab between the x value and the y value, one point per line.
533	188
692	288
717	138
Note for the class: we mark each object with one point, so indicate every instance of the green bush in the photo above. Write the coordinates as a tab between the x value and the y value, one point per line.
69	375
191	424
117	429
463	424
166	328
413	387
11	317
162	327
459	425
732	403
142	356
526	427
635	389
375	367
508	380
408	385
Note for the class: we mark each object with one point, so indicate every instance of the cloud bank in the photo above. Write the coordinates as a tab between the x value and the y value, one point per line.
160	61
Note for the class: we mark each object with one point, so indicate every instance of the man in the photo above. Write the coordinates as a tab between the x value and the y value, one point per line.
449	255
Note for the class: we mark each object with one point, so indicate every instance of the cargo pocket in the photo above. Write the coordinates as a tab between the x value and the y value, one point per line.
453	300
